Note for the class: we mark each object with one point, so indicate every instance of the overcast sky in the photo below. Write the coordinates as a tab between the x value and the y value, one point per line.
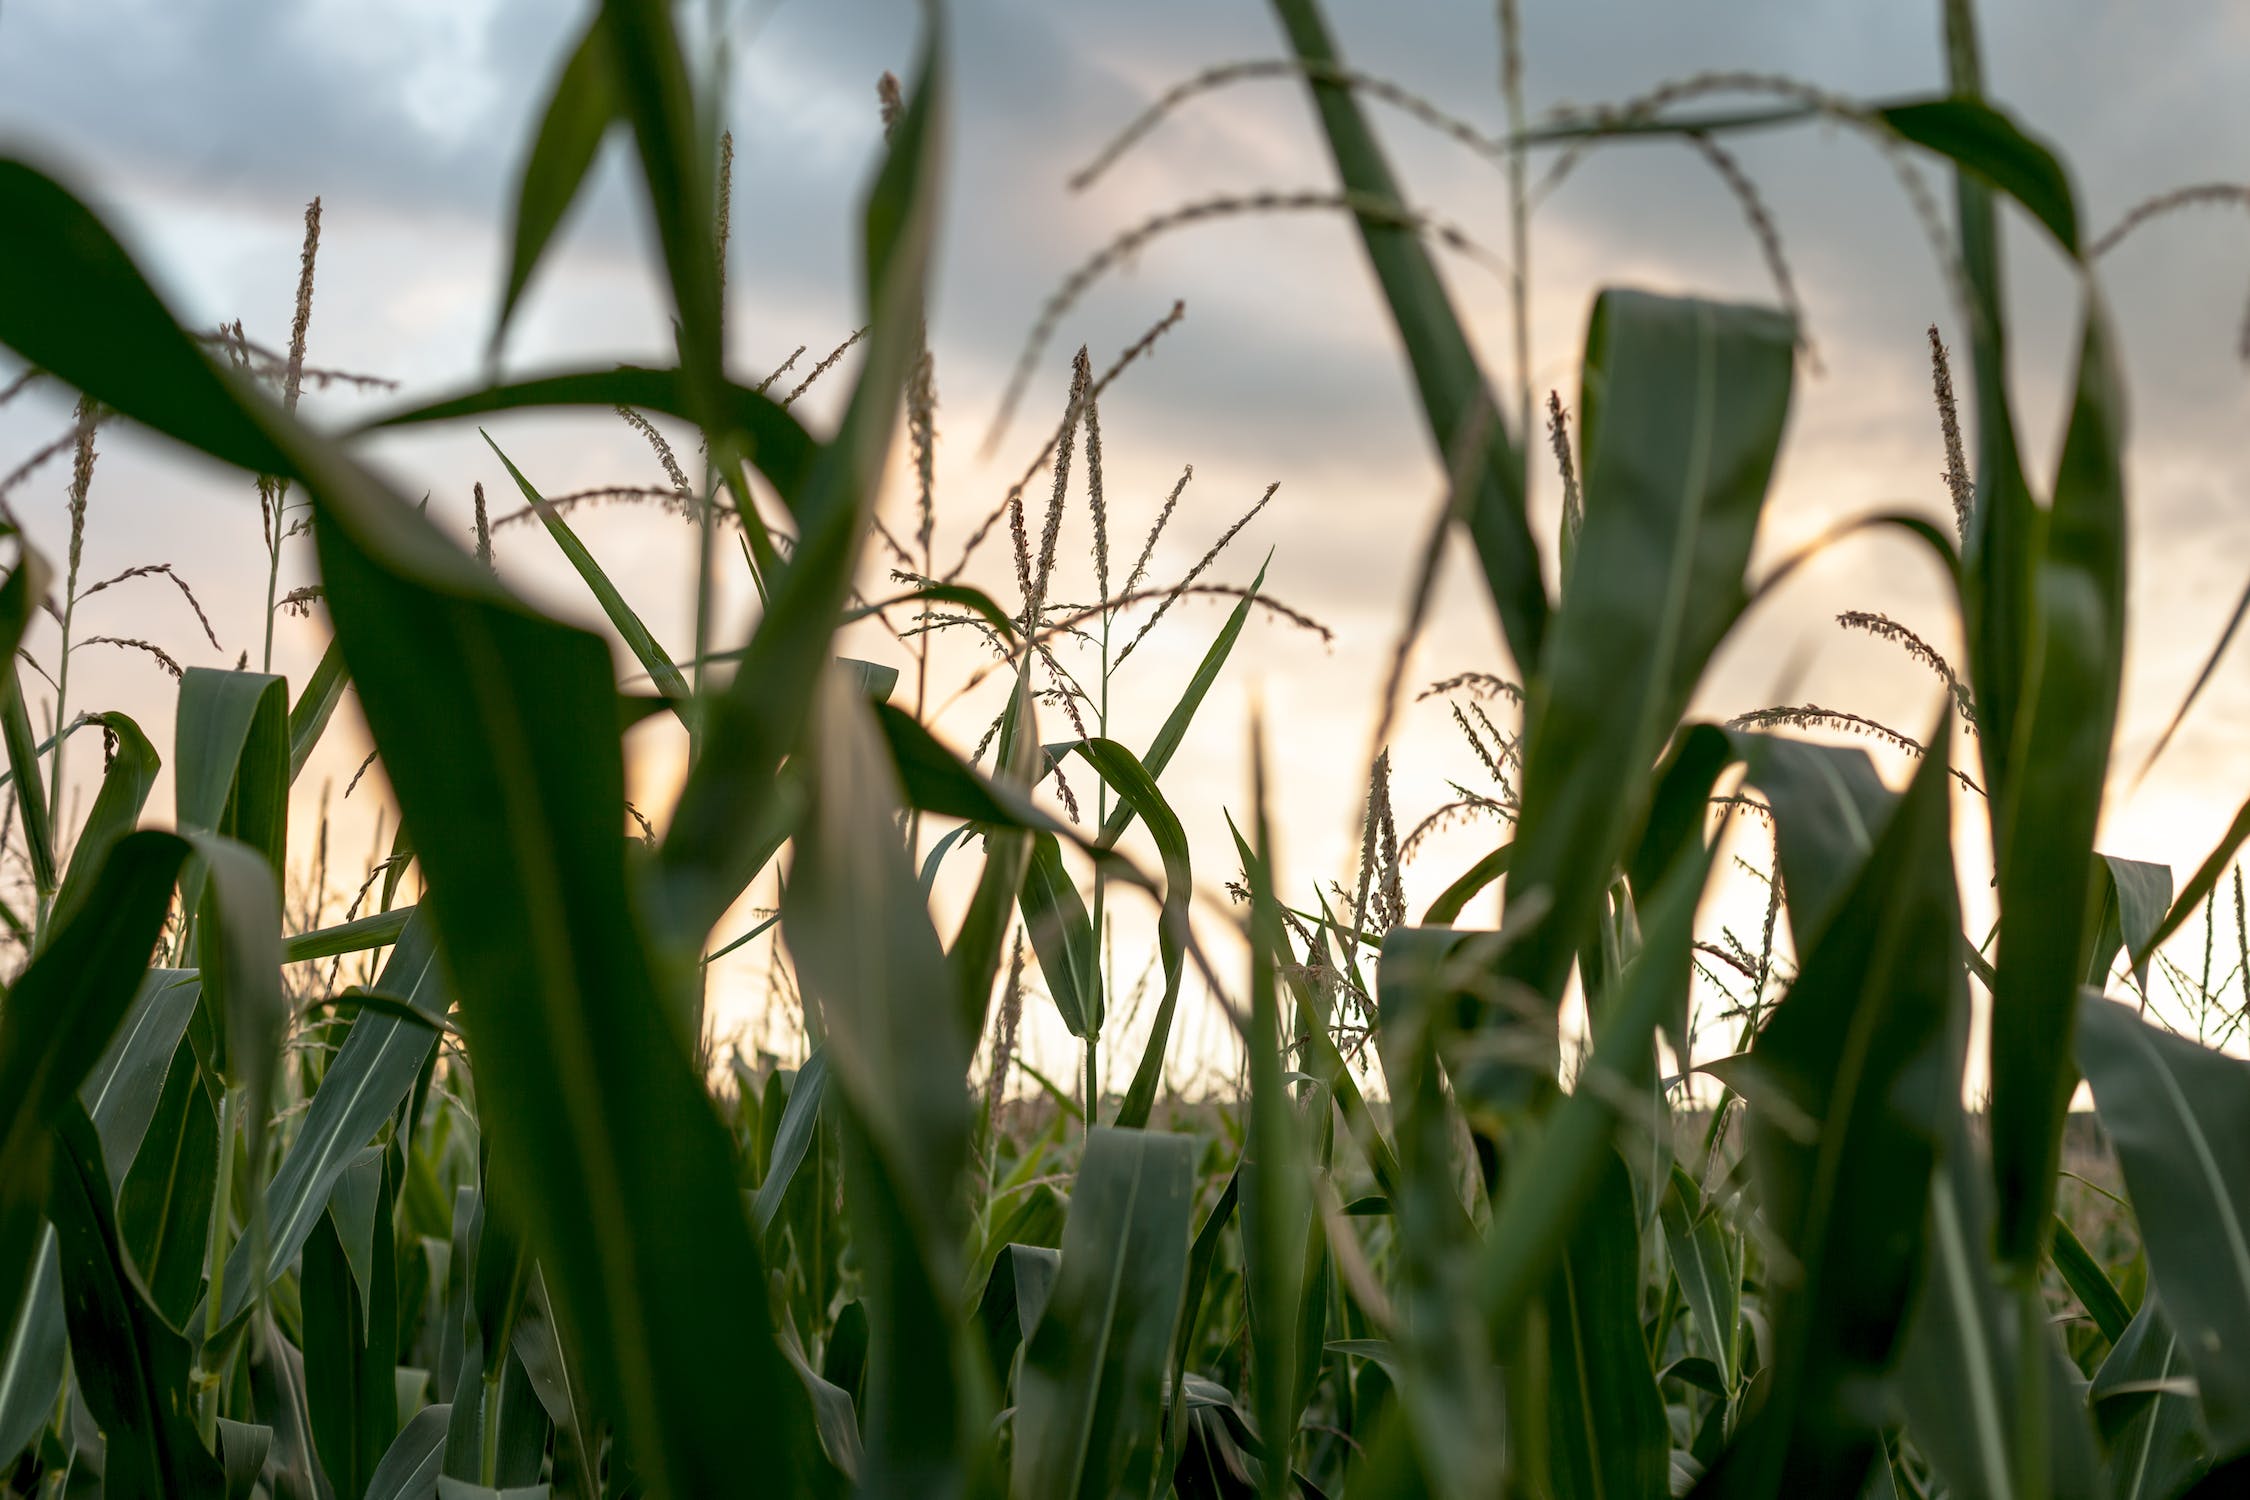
203	129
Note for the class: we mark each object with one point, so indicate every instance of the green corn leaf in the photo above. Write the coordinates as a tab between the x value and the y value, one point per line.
981	942
360	935
560	1388
243	1450
1829	807
509	786
1681	419
1606	1416
2199	886
2152	1427
1089	1398
708	852
277	1400
309	715
238	944
132	1367
409	1470
652	92
2177	1114
1850	1083
351	1347
1015	1295
31	1360
1175	727
1547	1190
580	111
1135	786
1202	1255
2089	1283
1706	1255
23	766
800	1118
122	1090
776	442
230	748
164	1203
1278	1212
1986	143
1062	937
126	779
59	1018
1446	909
869	960
370	1074
2052	806
1455	402
646	649
2134	897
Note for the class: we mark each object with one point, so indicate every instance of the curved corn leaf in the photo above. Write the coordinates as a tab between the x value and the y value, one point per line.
652	92
1849	1083
1015	1294
2134	897
2177	1114
58	1021
2089	1283
1090	1393
2200	885
580	112
126	779
800	1118
1681	418
539	1348
370	1074
1062	937
2157	1445
1135	786
122	1090
309	715
783	451
646	649
1175	726
1987	143
1706	1256
131	1367
409	1470
2051	806
1446	909
1455	402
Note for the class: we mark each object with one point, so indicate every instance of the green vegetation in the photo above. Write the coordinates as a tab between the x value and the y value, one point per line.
490	1222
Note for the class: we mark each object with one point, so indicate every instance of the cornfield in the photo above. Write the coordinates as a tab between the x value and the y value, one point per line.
485	1215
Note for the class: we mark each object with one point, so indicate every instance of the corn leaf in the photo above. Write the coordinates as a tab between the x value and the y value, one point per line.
1848	1081
1456	404
2177	1114
1088	1400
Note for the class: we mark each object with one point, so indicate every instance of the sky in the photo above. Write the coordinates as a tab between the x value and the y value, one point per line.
203	130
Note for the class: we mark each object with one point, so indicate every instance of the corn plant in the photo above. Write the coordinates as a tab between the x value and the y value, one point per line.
491	1222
